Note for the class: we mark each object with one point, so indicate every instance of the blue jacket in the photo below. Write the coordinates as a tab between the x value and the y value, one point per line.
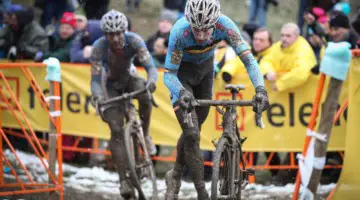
95	32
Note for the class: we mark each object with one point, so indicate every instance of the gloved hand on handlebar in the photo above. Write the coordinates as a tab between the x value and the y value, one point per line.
151	86
261	100
187	100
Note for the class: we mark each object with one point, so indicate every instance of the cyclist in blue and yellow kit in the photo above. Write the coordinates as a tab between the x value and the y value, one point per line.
189	76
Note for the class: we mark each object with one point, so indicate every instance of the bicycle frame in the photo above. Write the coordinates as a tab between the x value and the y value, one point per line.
235	176
229	142
132	129
229	124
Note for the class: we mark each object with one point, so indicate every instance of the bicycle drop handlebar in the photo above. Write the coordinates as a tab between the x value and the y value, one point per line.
202	103
128	96
224	103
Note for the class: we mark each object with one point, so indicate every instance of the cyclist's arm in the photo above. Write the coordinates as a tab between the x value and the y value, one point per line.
145	58
233	36
172	63
96	60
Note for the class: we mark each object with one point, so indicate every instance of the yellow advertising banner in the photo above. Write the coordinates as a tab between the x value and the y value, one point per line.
286	120
348	186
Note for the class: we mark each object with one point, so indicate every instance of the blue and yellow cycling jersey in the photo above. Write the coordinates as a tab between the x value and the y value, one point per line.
184	48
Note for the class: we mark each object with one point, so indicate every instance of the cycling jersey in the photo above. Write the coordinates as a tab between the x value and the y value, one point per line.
184	48
117	66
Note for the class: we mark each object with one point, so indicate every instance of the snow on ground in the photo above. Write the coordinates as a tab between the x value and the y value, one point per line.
106	184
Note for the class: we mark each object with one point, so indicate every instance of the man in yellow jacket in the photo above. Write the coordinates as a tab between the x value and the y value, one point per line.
290	61
234	71
261	44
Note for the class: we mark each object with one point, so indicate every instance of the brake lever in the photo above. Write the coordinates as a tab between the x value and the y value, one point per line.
259	121
97	108
258	118
188	119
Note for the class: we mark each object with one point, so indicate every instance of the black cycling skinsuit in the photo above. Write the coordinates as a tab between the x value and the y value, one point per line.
197	79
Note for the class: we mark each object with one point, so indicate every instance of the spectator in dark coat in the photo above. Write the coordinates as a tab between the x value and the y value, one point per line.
340	29
23	37
81	47
61	47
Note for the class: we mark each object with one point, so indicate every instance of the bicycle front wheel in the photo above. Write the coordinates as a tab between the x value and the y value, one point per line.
140	167
223	179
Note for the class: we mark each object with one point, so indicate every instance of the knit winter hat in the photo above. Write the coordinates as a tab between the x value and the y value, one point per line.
69	18
169	15
339	19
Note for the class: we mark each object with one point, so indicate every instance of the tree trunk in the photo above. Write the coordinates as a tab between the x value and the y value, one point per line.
325	127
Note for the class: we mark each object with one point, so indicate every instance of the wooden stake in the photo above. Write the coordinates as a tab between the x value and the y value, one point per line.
325	127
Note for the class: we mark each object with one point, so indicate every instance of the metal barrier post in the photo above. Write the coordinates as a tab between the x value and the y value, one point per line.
54	78
59	139
52	139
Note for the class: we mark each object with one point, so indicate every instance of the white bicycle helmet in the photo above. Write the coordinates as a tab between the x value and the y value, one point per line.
202	13
114	21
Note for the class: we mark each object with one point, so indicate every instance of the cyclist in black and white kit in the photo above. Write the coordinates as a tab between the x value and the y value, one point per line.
112	75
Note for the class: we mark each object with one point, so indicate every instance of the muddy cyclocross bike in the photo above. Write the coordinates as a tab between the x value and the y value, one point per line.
139	166
229	177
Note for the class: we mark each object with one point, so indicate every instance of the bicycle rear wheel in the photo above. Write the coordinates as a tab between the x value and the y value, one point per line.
224	173
140	165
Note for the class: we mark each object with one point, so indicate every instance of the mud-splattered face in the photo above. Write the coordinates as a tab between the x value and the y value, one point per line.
116	40
202	35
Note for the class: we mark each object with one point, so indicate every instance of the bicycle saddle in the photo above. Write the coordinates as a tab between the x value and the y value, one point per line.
234	87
